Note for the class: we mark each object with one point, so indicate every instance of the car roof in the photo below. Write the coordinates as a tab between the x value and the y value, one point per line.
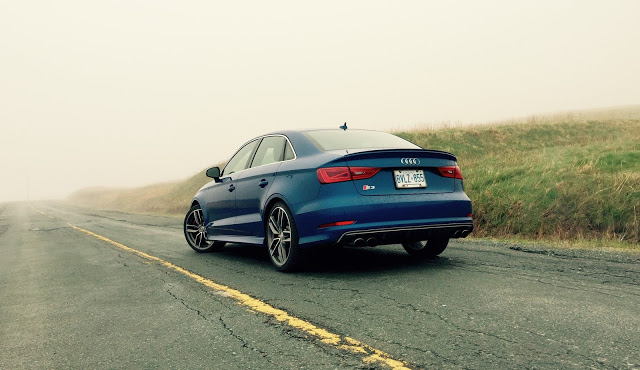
285	132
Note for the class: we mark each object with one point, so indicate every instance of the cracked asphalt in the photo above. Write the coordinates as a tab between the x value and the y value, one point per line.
68	300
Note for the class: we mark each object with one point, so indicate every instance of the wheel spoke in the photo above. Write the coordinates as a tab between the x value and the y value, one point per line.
275	243
273	226
203	239
280	218
197	216
286	236
282	252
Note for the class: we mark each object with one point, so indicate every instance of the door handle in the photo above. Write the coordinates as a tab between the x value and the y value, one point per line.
232	187
263	183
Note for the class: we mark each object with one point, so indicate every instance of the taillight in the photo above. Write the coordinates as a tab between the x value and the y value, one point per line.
360	173
333	174
328	175
451	171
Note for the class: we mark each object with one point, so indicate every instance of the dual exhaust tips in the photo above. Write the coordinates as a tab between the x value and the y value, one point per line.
461	233
372	242
360	242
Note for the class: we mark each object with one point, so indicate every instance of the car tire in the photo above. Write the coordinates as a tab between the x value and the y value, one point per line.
426	249
196	233
282	238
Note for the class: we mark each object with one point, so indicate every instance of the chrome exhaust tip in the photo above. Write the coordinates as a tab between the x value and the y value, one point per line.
372	242
359	242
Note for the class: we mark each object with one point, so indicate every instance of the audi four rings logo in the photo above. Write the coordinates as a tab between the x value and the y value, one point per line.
409	161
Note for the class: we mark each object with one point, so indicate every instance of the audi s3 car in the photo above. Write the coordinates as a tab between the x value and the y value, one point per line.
293	190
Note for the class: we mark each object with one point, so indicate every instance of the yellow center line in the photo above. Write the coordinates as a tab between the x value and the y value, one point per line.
39	211
369	354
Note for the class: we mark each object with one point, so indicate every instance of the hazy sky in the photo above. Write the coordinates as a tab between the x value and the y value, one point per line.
128	93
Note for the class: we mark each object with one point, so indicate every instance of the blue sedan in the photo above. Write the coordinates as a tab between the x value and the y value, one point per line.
300	189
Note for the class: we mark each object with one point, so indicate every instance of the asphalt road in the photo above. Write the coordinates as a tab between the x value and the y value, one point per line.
71	300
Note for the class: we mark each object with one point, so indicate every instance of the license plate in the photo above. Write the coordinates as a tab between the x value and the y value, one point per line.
409	179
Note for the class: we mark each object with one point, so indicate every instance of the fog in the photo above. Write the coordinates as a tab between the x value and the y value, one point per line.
129	93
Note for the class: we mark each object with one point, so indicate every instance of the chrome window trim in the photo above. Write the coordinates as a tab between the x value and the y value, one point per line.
236	152
295	156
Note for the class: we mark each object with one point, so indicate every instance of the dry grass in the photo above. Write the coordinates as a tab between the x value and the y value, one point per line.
171	198
607	114
571	179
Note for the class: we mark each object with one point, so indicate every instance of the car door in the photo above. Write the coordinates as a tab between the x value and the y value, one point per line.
254	183
220	197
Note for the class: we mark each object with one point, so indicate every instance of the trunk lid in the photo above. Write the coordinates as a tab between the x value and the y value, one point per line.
401	171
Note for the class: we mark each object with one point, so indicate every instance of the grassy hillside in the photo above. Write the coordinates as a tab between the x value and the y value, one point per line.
567	177
169	199
562	179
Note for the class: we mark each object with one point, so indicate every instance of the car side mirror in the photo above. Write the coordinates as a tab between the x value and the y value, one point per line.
214	173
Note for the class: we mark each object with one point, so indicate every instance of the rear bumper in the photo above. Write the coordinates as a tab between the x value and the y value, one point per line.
385	219
395	235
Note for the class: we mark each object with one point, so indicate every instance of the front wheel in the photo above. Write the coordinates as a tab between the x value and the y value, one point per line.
426	249
282	238
195	232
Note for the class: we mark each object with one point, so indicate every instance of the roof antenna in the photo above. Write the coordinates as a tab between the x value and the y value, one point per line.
344	127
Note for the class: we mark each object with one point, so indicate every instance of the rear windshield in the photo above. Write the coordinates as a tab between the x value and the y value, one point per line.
357	139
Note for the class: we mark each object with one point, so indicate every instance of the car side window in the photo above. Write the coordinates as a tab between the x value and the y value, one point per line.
271	150
288	152
240	161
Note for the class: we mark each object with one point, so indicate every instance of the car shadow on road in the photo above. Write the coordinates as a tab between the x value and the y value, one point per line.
340	260
368	260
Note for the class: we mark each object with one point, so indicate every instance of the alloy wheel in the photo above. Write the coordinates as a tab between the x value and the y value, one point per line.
196	231
279	236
